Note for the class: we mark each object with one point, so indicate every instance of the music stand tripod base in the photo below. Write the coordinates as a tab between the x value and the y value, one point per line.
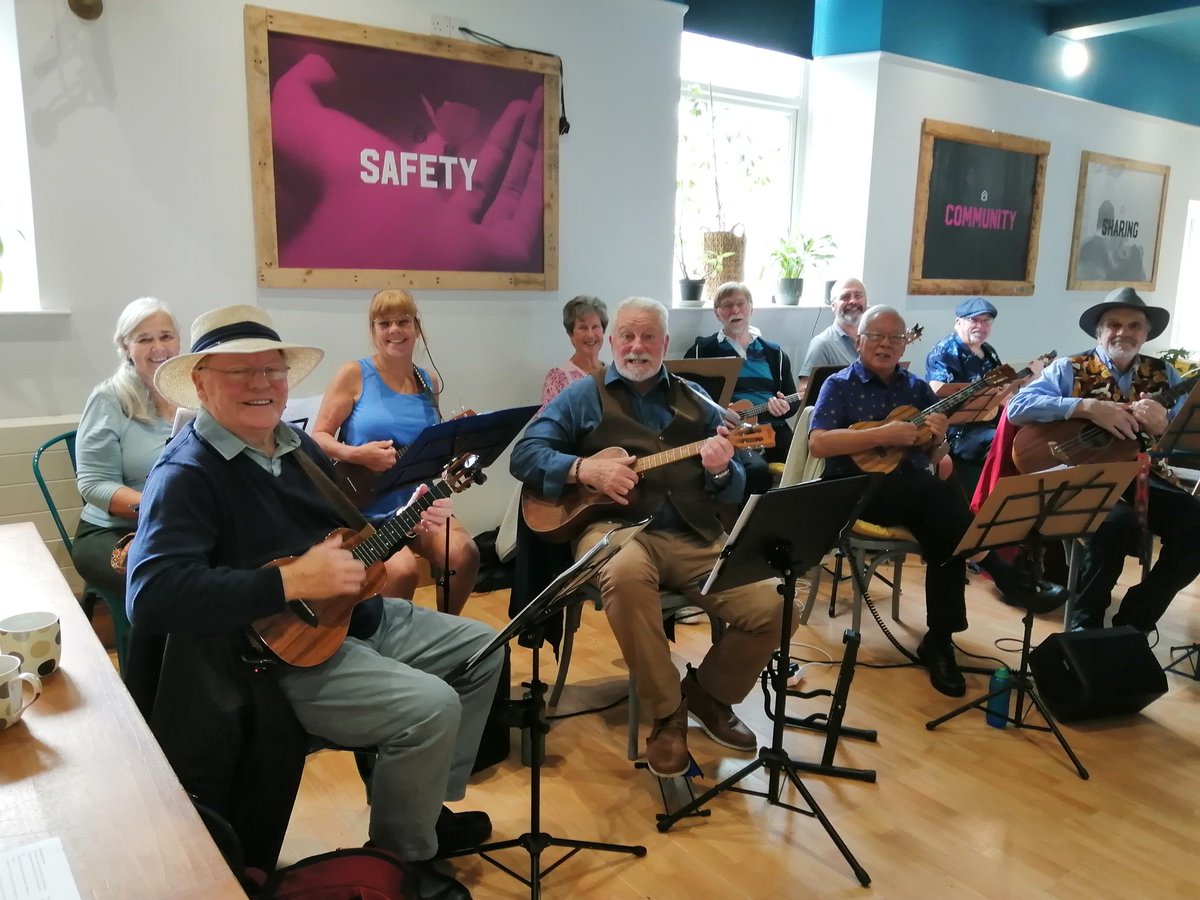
1191	654
1056	504
529	623
774	538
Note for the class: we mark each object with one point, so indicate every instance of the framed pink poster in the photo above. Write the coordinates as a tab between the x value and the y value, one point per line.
388	159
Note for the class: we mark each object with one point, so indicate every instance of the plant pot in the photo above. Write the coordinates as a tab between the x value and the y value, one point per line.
829	291
790	290
732	266
691	291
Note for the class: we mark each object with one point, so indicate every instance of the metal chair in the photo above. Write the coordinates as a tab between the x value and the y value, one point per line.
116	605
672	602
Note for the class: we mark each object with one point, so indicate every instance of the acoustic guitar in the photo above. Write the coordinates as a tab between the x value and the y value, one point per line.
885	459
361	484
308	632
1071	442
747	413
563	518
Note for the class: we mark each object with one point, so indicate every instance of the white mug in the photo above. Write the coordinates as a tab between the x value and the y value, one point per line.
12	690
35	638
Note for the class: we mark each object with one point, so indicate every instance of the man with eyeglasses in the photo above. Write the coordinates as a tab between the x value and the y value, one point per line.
234	491
910	496
766	373
835	346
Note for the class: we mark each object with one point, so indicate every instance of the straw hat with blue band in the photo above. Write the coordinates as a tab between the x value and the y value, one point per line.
231	329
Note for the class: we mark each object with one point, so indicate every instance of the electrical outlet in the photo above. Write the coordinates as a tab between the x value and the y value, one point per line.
446	26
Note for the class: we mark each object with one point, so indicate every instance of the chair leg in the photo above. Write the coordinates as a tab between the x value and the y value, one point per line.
837	580
570	626
897	573
635	720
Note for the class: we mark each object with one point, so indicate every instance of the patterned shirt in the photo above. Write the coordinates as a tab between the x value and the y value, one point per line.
857	395
951	360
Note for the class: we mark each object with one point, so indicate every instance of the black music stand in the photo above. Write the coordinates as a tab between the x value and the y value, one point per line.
1057	504
530	623
776	536
487	435
1180	444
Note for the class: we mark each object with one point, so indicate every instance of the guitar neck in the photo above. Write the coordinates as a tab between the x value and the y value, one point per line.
654	460
400	527
760	408
1168	396
949	404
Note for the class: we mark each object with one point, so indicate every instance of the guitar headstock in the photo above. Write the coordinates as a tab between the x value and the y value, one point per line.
1002	373
463	471
914	334
752	437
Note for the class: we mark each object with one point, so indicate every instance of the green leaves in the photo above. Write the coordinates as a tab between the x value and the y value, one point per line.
794	255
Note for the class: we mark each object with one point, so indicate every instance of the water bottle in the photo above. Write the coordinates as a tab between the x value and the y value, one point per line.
997	705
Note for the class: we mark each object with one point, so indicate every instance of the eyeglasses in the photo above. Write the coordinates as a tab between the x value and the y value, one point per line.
874	337
243	374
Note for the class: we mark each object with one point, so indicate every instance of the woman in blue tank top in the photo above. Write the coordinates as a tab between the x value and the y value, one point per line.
378	405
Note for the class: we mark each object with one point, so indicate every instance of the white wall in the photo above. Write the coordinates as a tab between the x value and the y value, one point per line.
139	161
909	91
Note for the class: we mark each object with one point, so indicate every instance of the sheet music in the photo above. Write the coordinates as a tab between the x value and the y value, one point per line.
730	541
37	872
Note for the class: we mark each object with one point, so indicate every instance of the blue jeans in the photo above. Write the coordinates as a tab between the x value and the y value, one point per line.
388	692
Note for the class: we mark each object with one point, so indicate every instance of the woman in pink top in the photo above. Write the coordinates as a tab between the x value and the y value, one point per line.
585	319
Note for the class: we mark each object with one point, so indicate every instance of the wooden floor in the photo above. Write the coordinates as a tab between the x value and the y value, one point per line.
963	811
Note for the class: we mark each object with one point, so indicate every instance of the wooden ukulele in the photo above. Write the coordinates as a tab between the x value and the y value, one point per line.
563	518
885	459
308	632
746	413
360	483
1071	442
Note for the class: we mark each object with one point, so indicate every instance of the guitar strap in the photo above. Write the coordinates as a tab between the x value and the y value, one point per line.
341	503
1141	502
427	389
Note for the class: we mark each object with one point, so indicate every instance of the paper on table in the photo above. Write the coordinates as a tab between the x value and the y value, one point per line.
37	872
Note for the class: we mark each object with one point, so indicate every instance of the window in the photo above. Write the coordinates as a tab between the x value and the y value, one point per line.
18	266
738	164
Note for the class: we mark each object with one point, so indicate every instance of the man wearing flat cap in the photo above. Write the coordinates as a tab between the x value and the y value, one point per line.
234	491
962	357
1111	387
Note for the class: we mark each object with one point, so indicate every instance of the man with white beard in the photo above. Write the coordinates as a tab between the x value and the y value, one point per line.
1111	387
637	405
835	346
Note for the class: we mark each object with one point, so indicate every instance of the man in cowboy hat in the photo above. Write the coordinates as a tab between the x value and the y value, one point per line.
1111	386
230	495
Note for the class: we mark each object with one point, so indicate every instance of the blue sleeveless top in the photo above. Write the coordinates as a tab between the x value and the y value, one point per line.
381	414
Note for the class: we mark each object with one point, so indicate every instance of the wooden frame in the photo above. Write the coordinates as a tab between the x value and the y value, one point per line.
1013	228
1115	202
466	198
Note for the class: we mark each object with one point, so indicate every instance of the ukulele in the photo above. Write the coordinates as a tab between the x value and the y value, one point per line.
885	459
308	632
563	518
361	484
1074	442
746	413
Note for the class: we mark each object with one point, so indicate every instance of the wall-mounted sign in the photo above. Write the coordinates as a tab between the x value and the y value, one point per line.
1118	223
978	210
388	159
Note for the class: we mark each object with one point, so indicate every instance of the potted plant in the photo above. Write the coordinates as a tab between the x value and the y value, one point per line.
793	257
1178	357
692	280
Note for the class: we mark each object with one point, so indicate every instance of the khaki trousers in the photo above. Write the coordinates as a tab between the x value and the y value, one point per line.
680	561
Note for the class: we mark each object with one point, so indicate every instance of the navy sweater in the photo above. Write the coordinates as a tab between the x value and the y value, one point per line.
206	527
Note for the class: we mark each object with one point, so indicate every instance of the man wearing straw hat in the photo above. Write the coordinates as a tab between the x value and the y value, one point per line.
1110	385
228	496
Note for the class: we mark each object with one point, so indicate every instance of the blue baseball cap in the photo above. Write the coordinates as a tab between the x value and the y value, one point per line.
974	306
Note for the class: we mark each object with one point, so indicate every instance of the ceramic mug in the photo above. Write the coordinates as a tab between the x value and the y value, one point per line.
12	690
35	638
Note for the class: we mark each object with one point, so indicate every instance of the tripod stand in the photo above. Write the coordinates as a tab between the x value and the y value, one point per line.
531	714
773	538
1065	503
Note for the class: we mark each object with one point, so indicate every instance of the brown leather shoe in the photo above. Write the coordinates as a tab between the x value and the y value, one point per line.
718	720
666	748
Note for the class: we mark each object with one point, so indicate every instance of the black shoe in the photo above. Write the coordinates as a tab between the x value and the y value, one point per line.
937	655
461	830
430	884
1023	593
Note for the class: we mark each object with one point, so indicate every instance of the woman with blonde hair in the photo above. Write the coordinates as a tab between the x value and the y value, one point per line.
372	410
126	423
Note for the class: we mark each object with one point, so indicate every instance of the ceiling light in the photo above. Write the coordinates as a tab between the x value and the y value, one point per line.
1074	59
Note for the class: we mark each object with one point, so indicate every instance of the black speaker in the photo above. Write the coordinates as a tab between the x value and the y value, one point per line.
1096	673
